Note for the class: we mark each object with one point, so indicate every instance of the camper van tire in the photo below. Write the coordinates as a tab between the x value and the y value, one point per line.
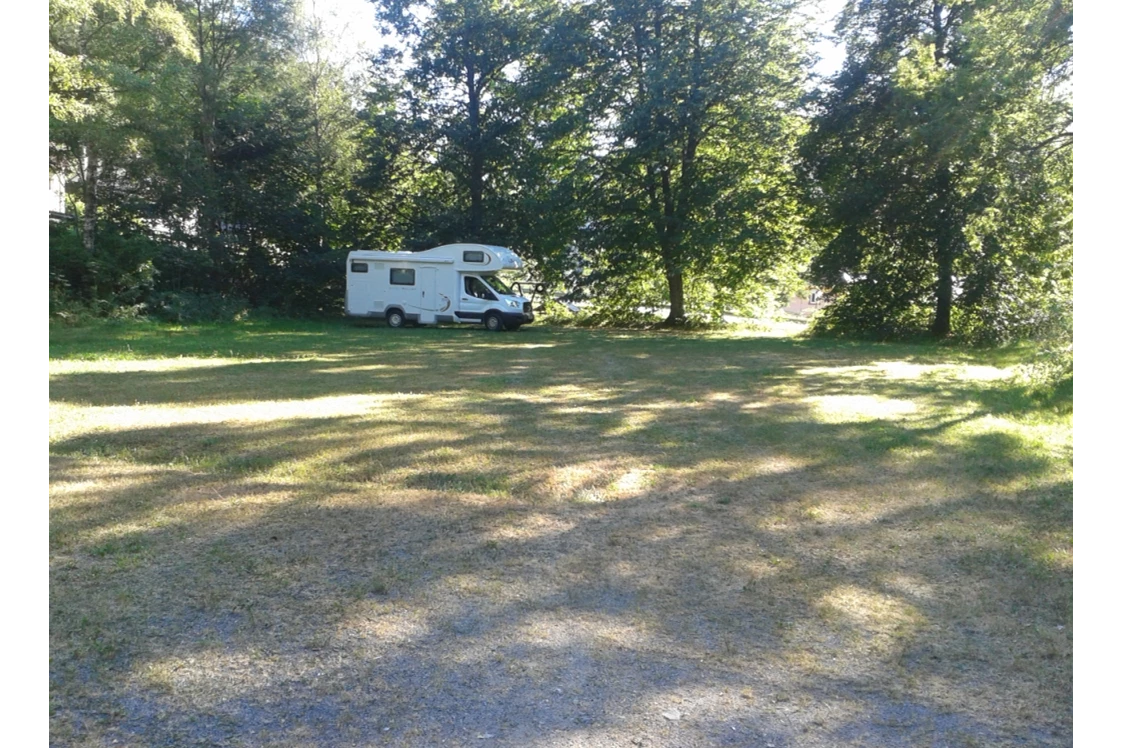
493	322
395	318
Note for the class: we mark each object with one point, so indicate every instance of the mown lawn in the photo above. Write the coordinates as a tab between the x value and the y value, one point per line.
327	534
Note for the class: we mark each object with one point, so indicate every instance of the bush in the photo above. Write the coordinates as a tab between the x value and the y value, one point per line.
115	280
312	285
871	311
1050	376
191	306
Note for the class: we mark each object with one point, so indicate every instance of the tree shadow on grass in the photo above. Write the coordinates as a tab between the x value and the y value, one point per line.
771	576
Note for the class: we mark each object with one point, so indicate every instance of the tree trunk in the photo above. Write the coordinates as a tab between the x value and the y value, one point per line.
319	166
670	238
941	326
947	240
677	315
948	233
209	225
91	174
477	190
476	157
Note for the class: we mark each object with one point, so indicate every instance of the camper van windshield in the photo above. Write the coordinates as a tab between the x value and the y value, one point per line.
497	283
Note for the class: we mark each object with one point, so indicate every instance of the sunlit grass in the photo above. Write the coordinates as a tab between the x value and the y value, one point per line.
369	516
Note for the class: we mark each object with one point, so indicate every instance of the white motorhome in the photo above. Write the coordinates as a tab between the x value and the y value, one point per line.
453	283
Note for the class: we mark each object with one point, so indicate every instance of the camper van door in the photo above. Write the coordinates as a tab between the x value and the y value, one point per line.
428	283
475	298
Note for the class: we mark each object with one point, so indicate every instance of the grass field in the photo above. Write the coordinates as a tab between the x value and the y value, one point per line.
326	534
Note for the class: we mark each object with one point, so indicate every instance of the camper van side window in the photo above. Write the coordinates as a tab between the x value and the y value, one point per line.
473	256
358	267
401	276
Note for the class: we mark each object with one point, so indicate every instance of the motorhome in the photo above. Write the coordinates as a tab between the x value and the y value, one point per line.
453	283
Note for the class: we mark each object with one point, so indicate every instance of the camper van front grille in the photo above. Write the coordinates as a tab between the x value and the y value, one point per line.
526	307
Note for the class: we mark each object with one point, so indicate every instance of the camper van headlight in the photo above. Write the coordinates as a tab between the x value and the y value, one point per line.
514	304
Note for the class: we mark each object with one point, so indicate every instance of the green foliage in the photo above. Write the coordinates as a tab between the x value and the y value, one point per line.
1050	375
695	187
103	50
311	284
476	140
940	165
219	128
641	154
120	276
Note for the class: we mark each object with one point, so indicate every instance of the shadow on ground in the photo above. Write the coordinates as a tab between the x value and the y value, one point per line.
564	539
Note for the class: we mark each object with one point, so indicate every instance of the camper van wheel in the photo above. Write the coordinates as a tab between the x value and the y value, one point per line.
395	318
493	322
